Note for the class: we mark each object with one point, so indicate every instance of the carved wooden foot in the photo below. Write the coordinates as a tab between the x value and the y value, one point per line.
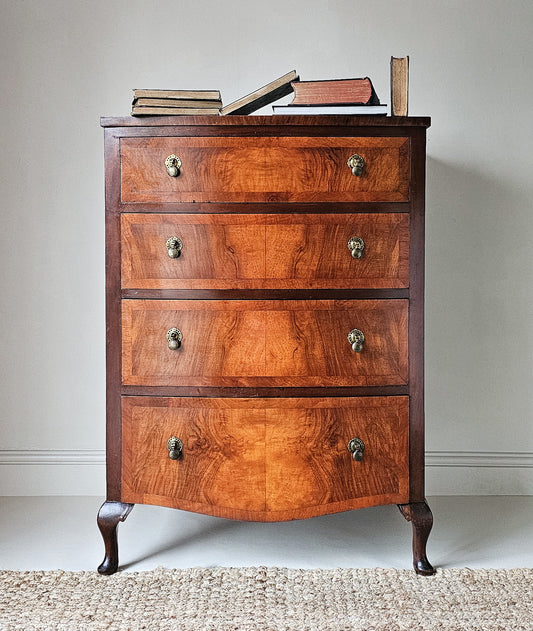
419	514
109	515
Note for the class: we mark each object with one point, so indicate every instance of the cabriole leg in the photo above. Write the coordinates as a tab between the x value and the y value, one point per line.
419	514
109	515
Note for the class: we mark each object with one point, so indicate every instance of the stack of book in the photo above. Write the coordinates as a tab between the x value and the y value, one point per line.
175	102
333	96
328	96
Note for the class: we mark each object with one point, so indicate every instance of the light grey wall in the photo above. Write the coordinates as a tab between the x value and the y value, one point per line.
66	63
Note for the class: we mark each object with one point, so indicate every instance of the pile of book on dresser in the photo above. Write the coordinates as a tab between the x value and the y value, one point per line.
333	96
326	96
175	102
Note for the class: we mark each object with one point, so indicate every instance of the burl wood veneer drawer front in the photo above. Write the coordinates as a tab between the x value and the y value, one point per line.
263	169
252	343
264	251
265	459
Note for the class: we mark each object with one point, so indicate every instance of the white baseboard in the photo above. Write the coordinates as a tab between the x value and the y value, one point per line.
82	472
479	473
52	472
513	460
52	457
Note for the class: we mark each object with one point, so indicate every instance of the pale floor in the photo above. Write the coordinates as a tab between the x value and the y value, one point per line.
44	533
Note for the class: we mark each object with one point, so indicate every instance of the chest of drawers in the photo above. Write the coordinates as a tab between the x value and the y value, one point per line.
264	304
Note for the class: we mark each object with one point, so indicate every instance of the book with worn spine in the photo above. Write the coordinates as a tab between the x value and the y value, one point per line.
335	92
263	96
175	102
399	86
211	95
175	111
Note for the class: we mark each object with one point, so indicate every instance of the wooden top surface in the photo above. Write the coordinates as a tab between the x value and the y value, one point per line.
266	121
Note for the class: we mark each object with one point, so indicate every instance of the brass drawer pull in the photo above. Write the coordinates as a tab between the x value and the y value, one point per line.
356	339
173	164
356	447
356	245
175	447
174	246
174	338
356	164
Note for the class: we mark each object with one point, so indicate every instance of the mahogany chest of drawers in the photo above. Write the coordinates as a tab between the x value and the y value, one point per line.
264	280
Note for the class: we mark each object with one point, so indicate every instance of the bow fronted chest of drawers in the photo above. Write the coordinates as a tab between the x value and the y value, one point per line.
264	304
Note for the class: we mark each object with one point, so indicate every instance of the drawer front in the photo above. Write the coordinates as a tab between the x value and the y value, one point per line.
280	343
265	459
265	251
222	463
264	169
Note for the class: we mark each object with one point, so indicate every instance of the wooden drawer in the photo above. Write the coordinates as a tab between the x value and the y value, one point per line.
265	459
265	251
250	343
263	169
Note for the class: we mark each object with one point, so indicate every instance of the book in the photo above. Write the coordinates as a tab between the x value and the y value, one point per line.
205	95
399	86
335	91
175	102
349	109
148	102
263	96
174	111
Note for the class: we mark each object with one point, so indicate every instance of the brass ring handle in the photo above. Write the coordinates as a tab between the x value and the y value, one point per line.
175	447
356	164
356	245
174	338
174	247
356	447
356	339
173	164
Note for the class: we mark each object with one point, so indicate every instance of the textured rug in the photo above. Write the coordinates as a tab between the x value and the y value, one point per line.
268	599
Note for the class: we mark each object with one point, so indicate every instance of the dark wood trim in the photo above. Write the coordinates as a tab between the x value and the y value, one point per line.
270	131
416	317
251	208
421	518
109	516
259	294
203	391
113	317
277	121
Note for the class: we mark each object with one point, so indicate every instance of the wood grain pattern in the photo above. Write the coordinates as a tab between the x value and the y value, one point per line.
311	251
282	251
223	446
264	169
286	343
265	459
308	463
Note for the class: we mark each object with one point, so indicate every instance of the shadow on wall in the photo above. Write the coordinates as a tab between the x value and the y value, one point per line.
479	307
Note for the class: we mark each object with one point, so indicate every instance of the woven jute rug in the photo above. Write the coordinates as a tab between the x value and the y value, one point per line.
268	599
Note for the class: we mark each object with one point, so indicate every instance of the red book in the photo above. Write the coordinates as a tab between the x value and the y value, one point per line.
334	92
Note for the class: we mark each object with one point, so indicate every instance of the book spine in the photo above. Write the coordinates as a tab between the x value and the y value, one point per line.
399	86
174	111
